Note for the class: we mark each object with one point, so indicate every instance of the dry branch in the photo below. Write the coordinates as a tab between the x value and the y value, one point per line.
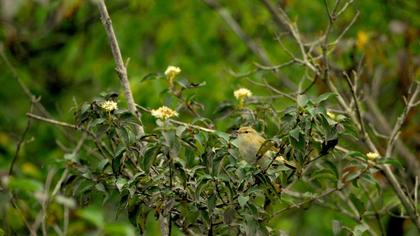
119	63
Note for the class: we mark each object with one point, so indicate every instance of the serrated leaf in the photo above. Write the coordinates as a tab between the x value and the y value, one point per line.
152	76
120	183
324	97
295	133
223	135
243	200
302	100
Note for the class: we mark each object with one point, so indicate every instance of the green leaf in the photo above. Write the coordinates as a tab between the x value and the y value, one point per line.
243	200
324	97
120	183
24	184
72	157
323	174
356	154
92	215
332	167
133	213
302	100
119	229
359	230
295	133
357	203
97	121
116	165
211	203
391	161
149	157
180	129
223	135
152	76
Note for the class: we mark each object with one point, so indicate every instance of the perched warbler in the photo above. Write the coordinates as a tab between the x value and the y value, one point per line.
254	149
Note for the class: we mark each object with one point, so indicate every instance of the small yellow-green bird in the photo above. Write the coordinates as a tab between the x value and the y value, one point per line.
254	149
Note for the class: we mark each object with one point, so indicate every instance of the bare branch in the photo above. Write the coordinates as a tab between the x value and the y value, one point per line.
283	21
356	102
20	142
409	105
192	126
51	121
412	163
120	66
321	195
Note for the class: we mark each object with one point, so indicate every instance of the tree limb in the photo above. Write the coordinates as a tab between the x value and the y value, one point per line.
120	66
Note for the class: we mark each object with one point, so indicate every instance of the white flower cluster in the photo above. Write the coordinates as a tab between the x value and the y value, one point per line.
242	93
172	71
164	113
109	106
372	155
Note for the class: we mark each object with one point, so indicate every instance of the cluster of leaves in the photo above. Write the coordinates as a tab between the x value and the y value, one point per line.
196	178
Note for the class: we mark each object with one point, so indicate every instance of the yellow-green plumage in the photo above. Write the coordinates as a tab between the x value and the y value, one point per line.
255	149
249	143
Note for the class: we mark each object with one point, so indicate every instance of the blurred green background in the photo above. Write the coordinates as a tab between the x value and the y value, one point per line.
60	51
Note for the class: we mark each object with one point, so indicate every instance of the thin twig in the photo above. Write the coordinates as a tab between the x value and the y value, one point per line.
353	20
321	195
192	126
51	121
410	159
282	20
356	102
21	140
394	134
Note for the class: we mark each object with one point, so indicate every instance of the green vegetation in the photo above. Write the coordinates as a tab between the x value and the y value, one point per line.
327	80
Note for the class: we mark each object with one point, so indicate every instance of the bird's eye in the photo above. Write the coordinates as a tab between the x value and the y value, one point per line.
246	132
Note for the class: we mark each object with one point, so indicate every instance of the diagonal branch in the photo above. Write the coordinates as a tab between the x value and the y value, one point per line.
120	67
396	130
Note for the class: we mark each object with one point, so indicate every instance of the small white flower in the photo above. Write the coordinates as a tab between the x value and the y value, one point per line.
242	93
109	106
163	113
172	71
280	159
372	155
